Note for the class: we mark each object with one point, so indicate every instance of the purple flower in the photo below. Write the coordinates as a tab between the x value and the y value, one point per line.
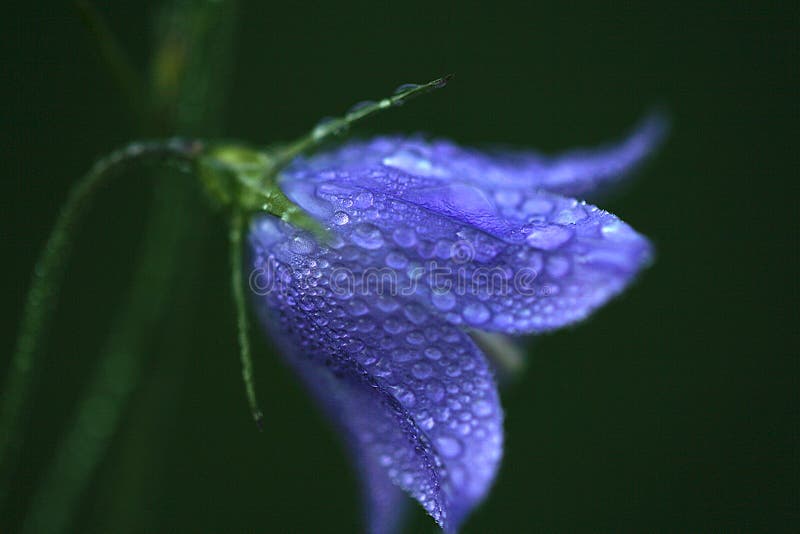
429	241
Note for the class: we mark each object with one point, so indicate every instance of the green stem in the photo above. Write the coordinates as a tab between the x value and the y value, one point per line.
237	285
332	127
48	274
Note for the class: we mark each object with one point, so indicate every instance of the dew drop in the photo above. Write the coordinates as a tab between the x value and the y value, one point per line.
434	390
422	370
415	313
396	260
404	355
549	236
508	197
392	326
302	245
449	447
413	160
557	266
570	216
427	423
328	125
453	371
386	303
445	249
537	206
328	189
356	345
432	353
443	301
365	325
415	338
406	398
363	200
358	307
340	218
476	313
482	408
617	231
360	106
405	237
503	320
367	236
406	87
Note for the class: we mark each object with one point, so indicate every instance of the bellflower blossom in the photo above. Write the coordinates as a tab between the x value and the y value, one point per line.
429	242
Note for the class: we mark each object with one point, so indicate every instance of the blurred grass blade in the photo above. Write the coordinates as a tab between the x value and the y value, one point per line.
43	293
190	72
128	80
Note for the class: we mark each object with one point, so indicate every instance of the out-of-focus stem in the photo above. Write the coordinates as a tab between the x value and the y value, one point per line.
47	277
190	71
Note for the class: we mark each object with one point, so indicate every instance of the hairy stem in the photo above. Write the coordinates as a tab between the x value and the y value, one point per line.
335	126
237	286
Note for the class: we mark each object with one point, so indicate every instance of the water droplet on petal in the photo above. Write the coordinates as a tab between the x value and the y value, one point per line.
332	189
422	370
503	320
570	216
340	218
392	326
482	408
444	300
617	231
557	266
432	353
404	355
363	200
357	307
415	338
476	313
415	313
396	260
414	160
449	447
549	236
302	245
405	237
367	236
434	390
508	197
406	398
537	206
386	303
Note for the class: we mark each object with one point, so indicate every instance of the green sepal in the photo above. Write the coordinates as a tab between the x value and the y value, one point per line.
244	178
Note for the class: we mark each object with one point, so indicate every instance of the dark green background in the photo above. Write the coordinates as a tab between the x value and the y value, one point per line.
674	408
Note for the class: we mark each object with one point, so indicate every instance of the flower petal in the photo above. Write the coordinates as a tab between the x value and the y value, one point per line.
574	173
415	394
533	265
351	410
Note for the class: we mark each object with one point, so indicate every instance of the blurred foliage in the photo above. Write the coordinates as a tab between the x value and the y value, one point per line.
675	408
